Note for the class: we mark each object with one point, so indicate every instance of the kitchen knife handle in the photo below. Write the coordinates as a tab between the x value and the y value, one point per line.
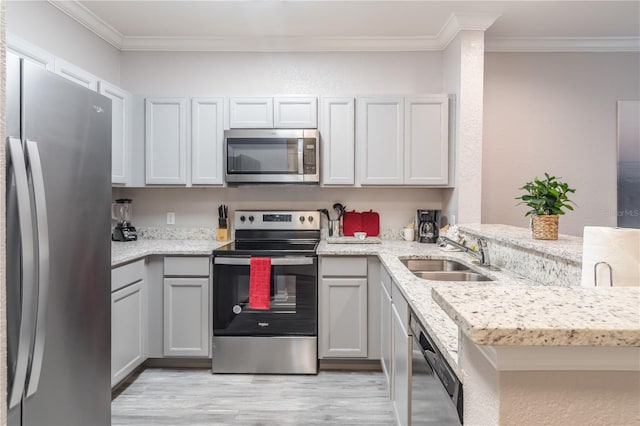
17	163
42	228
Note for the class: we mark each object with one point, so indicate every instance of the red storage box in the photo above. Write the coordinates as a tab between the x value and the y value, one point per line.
368	222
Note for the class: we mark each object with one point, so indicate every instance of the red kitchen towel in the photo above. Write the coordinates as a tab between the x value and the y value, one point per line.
351	222
368	222
260	283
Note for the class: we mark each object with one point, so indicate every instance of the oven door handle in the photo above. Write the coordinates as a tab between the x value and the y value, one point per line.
279	261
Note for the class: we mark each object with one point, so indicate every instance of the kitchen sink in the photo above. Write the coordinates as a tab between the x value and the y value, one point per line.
452	276
427	265
442	270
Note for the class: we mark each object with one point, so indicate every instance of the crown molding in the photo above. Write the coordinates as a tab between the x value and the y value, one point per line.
281	44
457	23
563	44
90	20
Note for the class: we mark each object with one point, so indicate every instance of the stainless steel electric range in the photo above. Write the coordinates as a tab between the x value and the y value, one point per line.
280	339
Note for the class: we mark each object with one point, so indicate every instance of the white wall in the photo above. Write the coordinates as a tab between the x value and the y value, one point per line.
3	320
341	73
556	113
198	207
42	24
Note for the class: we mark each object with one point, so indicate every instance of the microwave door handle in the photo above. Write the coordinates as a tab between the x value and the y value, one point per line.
300	156
245	261
43	265
16	162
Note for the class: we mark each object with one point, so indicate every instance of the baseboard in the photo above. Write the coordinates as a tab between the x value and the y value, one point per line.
178	363
350	364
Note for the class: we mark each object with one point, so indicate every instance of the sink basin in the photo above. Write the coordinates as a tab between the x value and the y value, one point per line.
442	270
451	276
426	265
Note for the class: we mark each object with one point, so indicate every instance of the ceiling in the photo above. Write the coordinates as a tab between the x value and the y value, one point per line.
359	25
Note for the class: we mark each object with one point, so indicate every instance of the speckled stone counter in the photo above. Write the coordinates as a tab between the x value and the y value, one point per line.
551	262
126	252
417	291
544	316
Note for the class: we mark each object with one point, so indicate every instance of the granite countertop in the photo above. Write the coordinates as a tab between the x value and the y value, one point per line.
544	316
566	246
124	252
417	291
510	310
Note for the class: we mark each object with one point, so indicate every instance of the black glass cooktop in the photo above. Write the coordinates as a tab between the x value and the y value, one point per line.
268	248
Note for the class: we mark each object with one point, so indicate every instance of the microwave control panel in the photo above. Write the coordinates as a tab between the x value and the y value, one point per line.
309	160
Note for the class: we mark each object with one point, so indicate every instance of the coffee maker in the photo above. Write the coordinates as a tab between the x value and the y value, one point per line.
121	212
428	225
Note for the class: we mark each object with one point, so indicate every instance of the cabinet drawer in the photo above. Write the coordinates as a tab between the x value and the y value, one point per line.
186	266
122	276
401	305
344	266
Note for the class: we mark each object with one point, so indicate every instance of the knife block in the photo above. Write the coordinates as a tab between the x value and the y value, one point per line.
223	234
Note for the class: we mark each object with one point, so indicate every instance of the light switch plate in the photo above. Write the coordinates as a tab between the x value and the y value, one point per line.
171	218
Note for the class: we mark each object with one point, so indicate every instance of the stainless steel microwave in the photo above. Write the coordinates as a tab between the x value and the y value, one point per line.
272	156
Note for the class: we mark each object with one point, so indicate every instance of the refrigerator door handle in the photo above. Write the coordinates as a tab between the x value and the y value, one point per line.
42	228
17	163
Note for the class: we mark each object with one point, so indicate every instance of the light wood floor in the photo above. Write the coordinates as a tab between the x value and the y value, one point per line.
197	397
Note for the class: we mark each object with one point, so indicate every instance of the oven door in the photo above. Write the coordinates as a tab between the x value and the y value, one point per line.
293	302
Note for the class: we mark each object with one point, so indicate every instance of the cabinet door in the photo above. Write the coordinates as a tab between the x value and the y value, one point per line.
186	317
343	318
251	113
165	141
120	131
30	52
76	74
426	141
386	335
207	134
338	141
295	113
128	330
401	370
380	140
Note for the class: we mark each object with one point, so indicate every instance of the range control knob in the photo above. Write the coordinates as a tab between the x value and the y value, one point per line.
242	218
251	218
310	219
302	219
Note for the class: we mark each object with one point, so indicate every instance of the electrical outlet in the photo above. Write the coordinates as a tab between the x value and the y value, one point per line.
171	218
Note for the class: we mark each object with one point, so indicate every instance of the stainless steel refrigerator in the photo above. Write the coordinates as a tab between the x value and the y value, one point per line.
58	149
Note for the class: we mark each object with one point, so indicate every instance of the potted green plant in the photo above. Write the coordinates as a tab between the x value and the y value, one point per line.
546	199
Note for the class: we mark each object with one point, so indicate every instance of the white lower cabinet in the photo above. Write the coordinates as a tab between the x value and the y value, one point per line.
186	306
401	369
128	320
385	334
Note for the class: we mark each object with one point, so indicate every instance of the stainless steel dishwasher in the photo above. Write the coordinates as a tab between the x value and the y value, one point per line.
436	392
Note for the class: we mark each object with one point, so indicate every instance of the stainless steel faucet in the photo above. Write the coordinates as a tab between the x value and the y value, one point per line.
482	254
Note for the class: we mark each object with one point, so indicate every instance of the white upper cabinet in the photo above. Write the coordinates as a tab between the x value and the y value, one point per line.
120	132
207	136
30	52
76	74
379	135
337	124
426	140
165	141
295	113
251	113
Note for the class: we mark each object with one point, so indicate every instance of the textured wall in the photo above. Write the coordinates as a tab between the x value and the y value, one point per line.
42	24
556	113
197	207
322	73
3	321
464	74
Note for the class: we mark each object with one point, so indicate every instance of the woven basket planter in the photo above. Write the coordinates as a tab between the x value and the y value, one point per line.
545	227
